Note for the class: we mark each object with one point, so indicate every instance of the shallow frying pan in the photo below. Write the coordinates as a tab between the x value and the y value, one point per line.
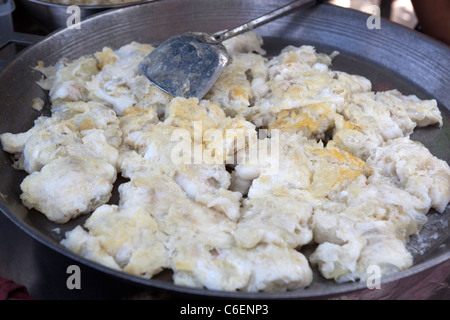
391	57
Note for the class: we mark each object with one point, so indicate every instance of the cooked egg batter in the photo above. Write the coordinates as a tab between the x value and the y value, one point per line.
349	180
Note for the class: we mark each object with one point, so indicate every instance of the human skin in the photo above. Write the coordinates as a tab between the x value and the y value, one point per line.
434	18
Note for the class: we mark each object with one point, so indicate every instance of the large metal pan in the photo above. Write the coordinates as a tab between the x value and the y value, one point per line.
391	57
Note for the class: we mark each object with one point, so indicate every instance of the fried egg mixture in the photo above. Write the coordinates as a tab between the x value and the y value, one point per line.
358	197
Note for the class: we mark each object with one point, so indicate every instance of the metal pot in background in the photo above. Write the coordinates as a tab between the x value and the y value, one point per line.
52	16
6	9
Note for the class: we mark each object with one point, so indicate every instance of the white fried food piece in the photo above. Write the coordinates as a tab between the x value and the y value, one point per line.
204	254
306	168
132	237
120	84
241	83
351	261
314	120
292	173
357	138
66	81
184	113
266	268
371	119
298	77
209	185
48	144
15	142
87	115
75	128
59	140
193	122
80	242
411	167
134	121
71	158
244	79
156	193
283	221
390	122
68	187
248	42
365	219
422	112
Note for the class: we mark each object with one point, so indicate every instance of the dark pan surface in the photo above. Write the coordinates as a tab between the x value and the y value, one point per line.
391	57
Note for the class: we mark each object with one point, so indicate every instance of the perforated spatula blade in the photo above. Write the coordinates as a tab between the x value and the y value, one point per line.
186	65
189	64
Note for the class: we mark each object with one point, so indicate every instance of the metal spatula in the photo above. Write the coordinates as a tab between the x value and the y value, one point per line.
189	64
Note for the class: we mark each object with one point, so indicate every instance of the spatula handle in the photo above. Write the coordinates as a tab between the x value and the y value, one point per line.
262	19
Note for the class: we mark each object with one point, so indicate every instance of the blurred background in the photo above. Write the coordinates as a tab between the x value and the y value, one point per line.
36	17
399	11
24	14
